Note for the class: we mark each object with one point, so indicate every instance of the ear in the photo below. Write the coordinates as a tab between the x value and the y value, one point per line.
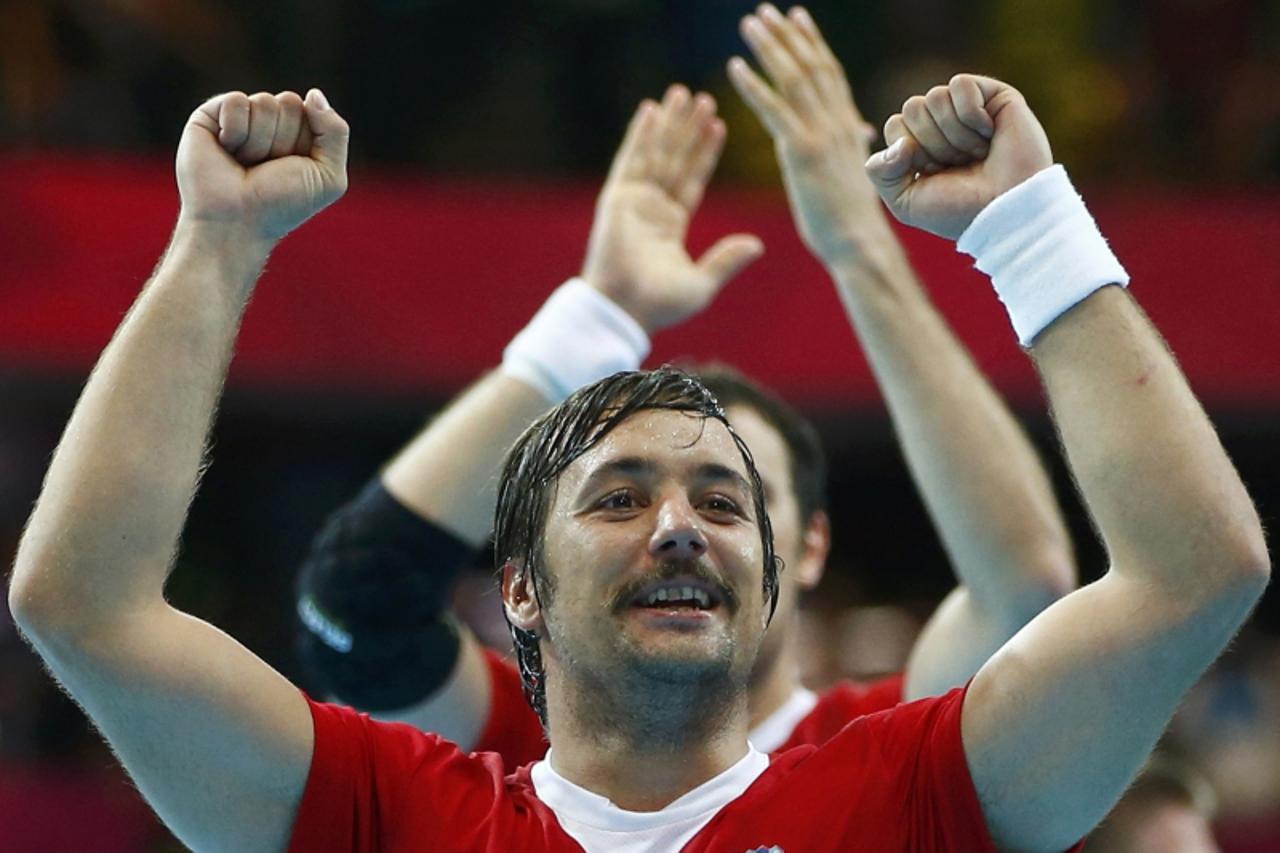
813	558
519	598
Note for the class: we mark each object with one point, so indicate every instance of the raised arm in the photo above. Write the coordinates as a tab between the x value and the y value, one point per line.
1061	718
637	278
217	741
980	478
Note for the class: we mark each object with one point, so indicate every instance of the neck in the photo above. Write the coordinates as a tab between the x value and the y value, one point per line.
644	748
775	680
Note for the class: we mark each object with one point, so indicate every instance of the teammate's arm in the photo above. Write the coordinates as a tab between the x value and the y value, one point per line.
218	742
636	257
980	478
1060	719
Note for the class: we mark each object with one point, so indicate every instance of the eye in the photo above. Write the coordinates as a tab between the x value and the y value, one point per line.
721	505
622	499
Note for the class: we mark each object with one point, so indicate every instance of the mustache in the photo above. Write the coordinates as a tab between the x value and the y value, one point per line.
626	594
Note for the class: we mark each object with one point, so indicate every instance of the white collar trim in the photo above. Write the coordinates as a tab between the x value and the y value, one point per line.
575	804
776	729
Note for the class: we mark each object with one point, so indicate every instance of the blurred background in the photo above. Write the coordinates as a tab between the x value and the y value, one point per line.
480	134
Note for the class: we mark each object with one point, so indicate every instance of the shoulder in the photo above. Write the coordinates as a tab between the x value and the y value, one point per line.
892	780
371	781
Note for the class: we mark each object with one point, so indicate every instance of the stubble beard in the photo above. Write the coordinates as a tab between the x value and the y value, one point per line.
656	701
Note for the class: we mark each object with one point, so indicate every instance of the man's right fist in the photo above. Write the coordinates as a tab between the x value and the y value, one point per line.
952	151
263	162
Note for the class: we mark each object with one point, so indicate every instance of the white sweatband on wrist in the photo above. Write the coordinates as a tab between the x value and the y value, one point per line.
579	335
1042	250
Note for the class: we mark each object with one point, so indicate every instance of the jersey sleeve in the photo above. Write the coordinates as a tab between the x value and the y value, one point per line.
920	745
921	750
377	786
513	730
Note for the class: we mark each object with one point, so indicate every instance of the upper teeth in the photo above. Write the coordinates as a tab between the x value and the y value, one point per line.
680	593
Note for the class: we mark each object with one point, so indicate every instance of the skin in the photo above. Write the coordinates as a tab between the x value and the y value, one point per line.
220	744
626	683
979	476
981	480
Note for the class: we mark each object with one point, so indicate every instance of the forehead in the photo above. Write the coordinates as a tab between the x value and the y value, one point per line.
674	440
768	448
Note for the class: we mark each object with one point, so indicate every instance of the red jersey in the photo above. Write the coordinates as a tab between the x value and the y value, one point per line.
891	781
514	732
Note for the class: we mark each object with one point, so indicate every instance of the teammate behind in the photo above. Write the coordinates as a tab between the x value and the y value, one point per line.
373	595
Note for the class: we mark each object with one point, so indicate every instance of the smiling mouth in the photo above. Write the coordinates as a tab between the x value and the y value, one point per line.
681	595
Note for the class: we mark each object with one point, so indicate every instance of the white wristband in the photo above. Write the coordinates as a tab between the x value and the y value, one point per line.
579	335
1042	250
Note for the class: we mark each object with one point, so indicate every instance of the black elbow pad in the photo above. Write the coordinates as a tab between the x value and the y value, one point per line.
372	604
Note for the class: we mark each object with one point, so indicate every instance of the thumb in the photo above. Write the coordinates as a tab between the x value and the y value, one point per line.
728	256
891	171
330	136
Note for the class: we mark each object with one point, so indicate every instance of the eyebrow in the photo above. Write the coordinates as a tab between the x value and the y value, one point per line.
638	467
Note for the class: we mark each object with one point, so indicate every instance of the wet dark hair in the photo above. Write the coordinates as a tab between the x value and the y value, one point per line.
807	459
538	458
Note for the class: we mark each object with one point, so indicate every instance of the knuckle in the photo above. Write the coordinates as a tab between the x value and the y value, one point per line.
914	108
937	97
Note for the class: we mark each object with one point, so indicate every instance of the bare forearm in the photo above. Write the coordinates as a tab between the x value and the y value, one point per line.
115	498
980	478
449	472
1157	481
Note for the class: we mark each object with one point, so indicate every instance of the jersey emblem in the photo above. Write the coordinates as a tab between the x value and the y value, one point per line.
774	849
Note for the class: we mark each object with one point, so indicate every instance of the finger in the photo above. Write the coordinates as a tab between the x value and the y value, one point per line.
701	165
938	102
728	256
917	158
891	170
629	162
331	138
231	112
786	33
699	123
673	127
264	113
969	102
306	139
833	84
289	125
926	131
773	112
792	82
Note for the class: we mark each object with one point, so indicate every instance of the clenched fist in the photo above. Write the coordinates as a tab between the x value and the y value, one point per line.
263	162
953	150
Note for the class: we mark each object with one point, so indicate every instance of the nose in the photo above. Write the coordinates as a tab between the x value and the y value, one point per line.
678	534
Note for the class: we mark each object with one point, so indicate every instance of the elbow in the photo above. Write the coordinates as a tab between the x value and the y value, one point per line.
1045	577
31	606
1248	564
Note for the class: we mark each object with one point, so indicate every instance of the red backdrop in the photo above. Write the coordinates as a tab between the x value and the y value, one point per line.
415	285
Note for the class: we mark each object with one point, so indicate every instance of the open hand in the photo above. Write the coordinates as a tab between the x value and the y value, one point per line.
636	254
952	151
820	138
263	163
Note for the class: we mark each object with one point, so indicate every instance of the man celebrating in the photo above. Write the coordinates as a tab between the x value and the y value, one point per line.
376	632
637	553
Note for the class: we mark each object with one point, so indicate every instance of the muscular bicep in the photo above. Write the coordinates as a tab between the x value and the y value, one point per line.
1061	718
218	742
459	710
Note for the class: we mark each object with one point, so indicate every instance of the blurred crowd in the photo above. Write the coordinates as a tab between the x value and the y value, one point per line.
1156	90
